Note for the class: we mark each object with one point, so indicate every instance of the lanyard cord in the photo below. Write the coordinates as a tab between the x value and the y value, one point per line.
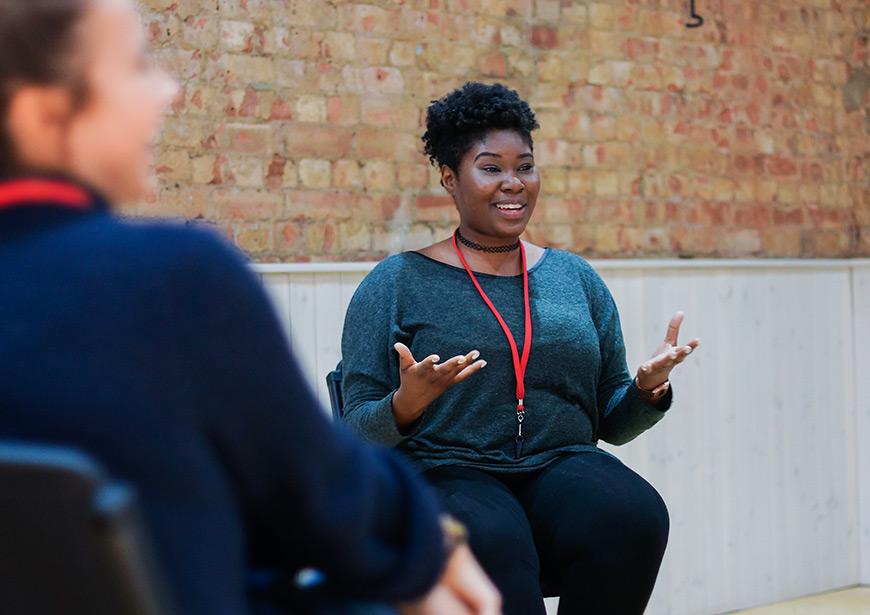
27	191
519	363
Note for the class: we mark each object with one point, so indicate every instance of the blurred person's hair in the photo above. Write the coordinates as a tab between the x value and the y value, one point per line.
467	114
37	47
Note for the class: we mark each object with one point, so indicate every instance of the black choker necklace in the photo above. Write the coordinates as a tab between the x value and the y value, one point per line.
491	249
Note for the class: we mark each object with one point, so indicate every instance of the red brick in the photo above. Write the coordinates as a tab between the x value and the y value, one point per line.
382	80
247	139
779	166
247	205
782	216
315	140
380	143
545	37
494	65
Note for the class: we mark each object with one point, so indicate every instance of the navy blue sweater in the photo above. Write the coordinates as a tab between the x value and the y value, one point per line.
152	347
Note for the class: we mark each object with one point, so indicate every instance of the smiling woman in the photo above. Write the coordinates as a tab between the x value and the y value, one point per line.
512	449
483	135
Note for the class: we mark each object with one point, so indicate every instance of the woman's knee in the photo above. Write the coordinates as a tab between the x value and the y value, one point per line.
640	523
654	521
615	510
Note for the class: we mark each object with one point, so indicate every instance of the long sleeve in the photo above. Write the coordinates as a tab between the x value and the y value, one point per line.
623	413
310	493
369	362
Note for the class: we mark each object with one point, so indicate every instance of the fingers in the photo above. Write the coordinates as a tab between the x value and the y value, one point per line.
406	359
674	328
456	369
440	601
468	366
457	363
669	358
468	580
469	371
679	353
453	365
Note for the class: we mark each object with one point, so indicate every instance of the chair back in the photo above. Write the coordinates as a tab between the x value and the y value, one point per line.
70	539
333	385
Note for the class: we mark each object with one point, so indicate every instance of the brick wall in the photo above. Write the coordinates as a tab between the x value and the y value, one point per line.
297	131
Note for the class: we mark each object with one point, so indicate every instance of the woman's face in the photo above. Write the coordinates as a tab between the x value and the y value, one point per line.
110	140
496	186
106	140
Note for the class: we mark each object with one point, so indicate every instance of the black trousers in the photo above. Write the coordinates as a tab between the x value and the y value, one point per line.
586	526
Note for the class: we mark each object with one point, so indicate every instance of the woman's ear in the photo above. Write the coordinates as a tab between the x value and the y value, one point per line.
448	179
36	121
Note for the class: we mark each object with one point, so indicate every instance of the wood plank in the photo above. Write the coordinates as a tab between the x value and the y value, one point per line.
329	318
861	396
302	318
278	288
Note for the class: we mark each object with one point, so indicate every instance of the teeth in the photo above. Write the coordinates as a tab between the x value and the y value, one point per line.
510	206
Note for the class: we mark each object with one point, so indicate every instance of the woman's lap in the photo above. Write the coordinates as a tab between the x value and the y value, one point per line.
596	528
499	532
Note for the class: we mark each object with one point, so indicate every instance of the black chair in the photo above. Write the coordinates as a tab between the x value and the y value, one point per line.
333	385
70	540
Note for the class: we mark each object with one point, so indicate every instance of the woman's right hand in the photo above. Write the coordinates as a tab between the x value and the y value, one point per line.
422	382
464	589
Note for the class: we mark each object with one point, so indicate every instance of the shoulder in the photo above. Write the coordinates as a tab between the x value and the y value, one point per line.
388	270
385	278
441	251
574	264
156	238
395	268
173	252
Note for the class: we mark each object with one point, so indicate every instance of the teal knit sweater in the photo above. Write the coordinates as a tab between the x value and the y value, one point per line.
578	387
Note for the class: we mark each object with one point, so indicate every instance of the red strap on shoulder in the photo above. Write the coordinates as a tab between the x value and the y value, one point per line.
28	191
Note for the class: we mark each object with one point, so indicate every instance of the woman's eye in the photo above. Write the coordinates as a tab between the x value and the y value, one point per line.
491	169
526	168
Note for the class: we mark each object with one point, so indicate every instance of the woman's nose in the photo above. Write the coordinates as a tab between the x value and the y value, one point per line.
513	184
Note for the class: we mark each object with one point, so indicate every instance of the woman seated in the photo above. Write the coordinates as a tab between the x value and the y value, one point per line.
533	374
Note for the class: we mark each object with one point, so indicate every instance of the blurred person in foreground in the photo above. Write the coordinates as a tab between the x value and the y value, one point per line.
152	347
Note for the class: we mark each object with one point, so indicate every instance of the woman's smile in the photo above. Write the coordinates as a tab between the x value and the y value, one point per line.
512	210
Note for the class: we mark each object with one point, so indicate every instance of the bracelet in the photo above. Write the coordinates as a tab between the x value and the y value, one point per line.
455	533
652	394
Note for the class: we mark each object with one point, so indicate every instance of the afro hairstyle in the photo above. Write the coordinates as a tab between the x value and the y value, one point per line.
467	114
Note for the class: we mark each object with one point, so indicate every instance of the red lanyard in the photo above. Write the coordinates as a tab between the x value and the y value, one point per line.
28	191
519	364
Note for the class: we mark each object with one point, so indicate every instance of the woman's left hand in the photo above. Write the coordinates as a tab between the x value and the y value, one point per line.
657	369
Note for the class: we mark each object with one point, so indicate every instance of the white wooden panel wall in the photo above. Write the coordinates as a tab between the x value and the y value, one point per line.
861	311
311	302
759	460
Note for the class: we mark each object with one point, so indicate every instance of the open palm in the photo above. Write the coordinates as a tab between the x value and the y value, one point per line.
667	356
